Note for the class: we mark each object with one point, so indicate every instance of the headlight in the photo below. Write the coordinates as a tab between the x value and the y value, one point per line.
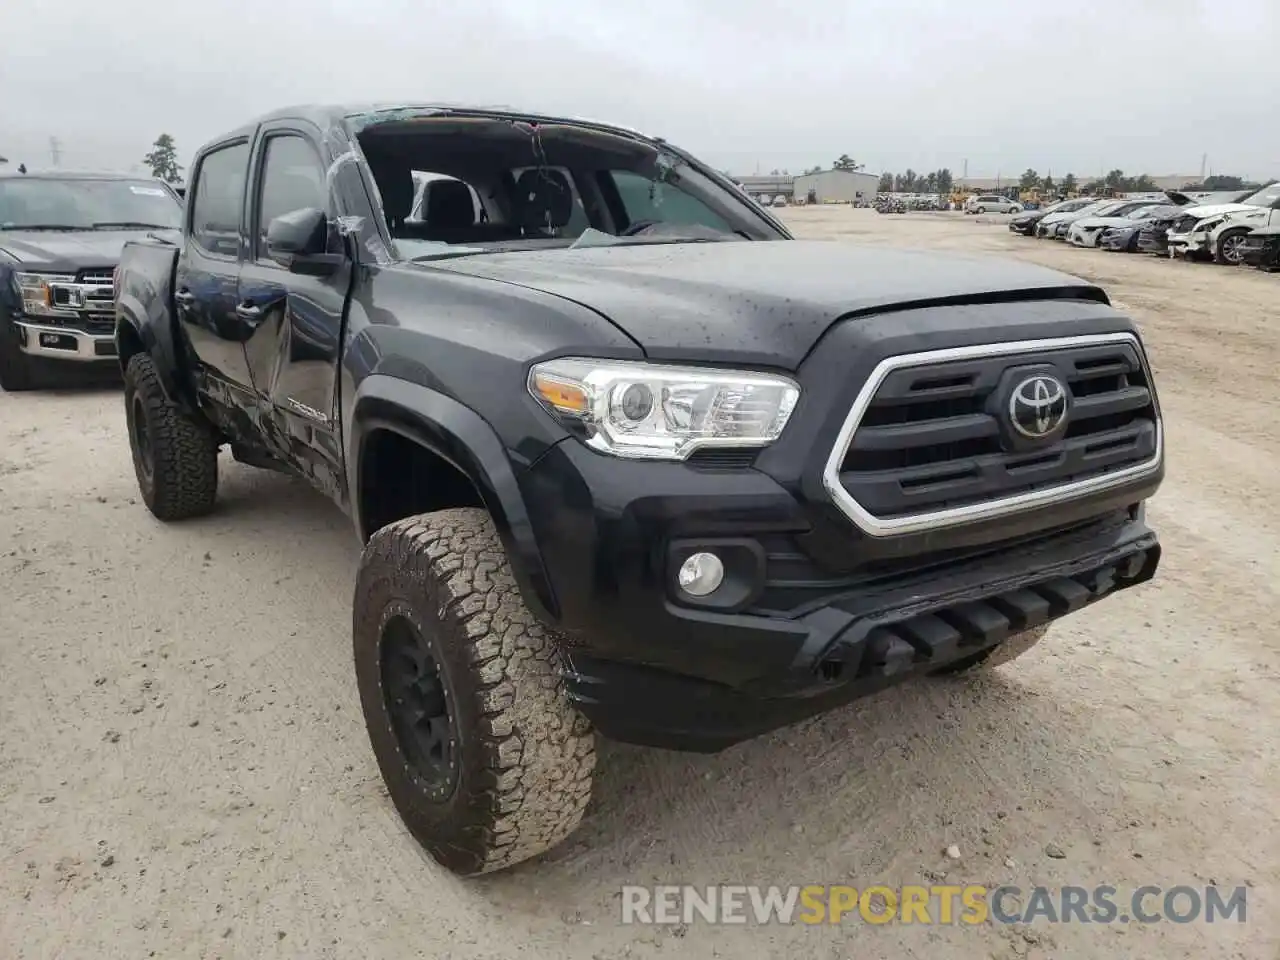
37	293
656	412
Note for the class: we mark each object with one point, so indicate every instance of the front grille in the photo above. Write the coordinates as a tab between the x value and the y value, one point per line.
930	438
92	296
1184	224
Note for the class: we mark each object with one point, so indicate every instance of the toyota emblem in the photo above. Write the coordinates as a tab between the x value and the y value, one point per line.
1038	406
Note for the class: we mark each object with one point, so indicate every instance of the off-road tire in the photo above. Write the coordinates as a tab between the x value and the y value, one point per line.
1002	652
15	366
523	756
182	481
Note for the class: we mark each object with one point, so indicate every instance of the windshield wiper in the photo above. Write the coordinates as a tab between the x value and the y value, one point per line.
43	226
116	224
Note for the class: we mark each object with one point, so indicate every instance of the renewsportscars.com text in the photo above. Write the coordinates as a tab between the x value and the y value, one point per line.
937	904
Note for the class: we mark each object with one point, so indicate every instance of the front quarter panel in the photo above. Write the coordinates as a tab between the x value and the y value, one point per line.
443	359
472	340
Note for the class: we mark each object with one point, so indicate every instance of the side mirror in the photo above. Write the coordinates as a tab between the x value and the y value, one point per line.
299	241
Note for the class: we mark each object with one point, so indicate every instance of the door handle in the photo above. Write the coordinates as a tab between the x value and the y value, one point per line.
248	311
184	298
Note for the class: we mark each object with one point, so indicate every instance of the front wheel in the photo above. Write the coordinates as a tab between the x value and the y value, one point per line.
1009	649
981	210
483	756
1227	251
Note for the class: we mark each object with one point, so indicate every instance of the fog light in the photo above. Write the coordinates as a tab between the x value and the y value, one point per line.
701	574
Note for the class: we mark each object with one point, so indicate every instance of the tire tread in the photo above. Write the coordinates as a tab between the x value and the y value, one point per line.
185	483
539	753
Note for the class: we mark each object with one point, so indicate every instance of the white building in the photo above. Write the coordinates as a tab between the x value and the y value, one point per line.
836	186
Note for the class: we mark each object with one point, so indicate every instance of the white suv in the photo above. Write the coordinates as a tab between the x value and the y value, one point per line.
991	203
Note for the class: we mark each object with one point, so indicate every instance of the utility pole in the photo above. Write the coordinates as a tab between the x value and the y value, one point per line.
55	150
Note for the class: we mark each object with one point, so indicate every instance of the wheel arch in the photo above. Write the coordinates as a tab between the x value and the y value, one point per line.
134	335
460	438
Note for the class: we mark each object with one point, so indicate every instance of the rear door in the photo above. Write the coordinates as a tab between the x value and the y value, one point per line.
294	321
208	272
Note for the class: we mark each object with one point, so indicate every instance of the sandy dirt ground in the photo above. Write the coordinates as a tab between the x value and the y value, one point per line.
184	771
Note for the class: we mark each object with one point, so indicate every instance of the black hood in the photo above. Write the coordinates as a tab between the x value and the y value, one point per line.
763	302
49	251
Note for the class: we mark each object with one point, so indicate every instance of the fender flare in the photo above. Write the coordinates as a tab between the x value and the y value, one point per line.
462	438
157	340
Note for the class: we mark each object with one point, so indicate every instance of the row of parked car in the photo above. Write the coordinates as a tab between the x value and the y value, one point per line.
1233	228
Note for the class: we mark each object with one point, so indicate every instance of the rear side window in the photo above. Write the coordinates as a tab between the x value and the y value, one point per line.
292	179
645	199
218	200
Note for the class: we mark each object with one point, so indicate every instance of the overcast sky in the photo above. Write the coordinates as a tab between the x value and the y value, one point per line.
1084	86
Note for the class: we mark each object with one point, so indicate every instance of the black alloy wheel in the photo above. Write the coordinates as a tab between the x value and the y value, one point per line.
144	456
418	703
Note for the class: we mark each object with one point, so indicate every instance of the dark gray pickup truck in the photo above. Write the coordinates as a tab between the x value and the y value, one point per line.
61	234
625	457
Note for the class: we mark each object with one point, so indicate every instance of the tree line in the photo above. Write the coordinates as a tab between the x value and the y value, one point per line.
1117	181
939	181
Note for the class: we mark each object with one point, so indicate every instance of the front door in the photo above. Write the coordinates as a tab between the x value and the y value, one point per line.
208	274
293	346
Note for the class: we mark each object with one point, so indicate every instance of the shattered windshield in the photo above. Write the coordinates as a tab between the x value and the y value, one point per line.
456	185
85	204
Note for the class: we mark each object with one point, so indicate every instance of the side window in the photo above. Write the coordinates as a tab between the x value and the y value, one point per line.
218	200
292	179
645	199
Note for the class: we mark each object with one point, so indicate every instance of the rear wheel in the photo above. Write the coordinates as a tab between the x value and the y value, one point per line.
483	756
1003	652
175	456
15	366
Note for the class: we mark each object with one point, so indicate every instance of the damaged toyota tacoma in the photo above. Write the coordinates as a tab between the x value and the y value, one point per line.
626	458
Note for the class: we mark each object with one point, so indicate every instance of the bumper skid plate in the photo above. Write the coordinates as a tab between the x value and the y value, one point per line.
936	638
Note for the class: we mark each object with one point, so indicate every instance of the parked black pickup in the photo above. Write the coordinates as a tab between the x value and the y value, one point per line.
624	455
60	239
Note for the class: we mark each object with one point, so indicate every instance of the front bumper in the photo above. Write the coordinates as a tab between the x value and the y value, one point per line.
648	666
64	343
1155	243
1084	238
1115	239
1185	244
858	645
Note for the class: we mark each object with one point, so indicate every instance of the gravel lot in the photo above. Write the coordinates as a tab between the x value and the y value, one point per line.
184	771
